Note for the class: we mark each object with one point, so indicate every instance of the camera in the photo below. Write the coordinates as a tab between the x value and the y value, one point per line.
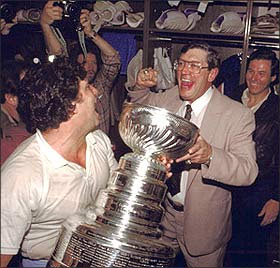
7	12
71	9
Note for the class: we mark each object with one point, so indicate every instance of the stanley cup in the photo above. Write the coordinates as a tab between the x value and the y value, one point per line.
122	227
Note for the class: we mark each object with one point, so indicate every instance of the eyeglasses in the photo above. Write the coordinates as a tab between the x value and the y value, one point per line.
194	67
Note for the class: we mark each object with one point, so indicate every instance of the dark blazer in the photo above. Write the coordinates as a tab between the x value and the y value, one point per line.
266	137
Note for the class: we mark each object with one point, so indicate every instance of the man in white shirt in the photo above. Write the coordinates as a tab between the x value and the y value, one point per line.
59	170
198	217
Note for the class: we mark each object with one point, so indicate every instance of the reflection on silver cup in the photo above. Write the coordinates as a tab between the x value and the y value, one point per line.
122	227
153	131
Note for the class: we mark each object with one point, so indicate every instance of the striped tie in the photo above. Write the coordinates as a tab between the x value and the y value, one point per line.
188	112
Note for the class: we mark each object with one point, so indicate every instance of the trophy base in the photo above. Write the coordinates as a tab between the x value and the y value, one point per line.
87	246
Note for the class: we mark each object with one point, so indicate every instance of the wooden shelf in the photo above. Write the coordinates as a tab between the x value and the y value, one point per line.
152	37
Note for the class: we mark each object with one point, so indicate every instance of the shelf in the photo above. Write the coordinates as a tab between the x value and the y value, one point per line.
266	41
274	37
186	35
123	28
152	37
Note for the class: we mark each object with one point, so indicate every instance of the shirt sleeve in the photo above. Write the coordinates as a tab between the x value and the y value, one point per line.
103	83
16	209
108	72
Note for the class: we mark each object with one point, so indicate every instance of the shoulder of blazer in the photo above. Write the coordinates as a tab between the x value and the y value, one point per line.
225	103
169	99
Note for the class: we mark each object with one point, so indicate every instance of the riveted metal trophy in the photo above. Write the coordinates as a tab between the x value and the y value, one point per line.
121	229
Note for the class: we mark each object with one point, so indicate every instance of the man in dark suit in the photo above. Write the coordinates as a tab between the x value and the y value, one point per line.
256	207
198	217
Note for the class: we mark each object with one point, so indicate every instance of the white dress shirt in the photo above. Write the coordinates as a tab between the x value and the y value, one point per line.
245	99
40	189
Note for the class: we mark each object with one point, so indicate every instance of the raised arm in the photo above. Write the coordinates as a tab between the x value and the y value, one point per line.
103	45
49	14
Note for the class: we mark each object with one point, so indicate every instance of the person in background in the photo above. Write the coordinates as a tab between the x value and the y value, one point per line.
198	216
256	207
102	62
59	170
13	130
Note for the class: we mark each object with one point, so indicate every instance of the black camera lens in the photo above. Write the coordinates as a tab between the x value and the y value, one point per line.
7	12
73	11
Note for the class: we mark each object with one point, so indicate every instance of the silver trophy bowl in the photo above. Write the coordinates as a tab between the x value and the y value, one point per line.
122	227
155	131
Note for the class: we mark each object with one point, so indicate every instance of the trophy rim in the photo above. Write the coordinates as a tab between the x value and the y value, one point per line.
181	129
158	109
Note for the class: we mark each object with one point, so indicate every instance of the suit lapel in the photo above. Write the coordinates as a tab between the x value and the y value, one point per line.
209	125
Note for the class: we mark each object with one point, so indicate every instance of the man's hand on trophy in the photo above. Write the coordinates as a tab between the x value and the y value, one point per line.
146	77
167	162
199	153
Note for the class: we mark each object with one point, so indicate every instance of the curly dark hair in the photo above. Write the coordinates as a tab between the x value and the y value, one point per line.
213	58
47	92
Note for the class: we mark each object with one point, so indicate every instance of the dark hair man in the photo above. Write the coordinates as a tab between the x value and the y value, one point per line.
256	207
59	170
101	60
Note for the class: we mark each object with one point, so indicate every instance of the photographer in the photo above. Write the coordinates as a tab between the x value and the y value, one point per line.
102	61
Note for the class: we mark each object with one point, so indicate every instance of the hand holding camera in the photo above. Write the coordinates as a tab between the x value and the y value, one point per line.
55	12
85	22
71	11
51	13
